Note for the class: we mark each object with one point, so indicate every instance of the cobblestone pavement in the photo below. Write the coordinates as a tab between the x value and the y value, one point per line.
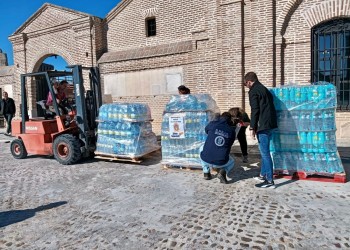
109	205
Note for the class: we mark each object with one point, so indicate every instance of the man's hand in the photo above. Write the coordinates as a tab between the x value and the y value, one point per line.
253	134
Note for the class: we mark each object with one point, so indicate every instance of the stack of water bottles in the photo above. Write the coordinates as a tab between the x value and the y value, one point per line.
305	140
125	130
195	111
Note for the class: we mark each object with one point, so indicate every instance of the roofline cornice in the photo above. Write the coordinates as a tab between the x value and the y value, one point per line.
41	9
117	9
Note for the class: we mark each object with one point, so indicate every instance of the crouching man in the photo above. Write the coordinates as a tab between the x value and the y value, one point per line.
216	150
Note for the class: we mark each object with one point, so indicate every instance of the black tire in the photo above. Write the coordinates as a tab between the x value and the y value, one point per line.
66	149
18	149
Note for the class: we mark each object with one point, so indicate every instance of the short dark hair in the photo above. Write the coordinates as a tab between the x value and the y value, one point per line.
250	76
63	82
184	90
226	115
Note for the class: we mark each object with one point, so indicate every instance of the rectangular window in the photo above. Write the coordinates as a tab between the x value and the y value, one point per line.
151	26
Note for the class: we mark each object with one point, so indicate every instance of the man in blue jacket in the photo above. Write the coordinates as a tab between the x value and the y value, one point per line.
263	122
217	147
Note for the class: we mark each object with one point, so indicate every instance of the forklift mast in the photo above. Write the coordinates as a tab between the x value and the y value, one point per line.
87	104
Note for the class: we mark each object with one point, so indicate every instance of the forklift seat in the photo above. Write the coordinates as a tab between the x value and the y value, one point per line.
47	113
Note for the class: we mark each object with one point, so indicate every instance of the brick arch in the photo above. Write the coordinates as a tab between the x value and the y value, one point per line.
286	14
36	61
325	11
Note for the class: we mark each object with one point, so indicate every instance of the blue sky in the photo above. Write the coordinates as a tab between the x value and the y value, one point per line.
14	13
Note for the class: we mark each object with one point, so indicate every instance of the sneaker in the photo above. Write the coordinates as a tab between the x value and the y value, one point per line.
259	178
207	176
266	184
222	176
245	159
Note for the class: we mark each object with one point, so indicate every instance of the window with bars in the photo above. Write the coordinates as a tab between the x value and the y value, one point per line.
151	26
331	57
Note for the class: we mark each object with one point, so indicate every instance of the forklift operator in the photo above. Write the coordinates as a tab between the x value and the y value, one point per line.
59	90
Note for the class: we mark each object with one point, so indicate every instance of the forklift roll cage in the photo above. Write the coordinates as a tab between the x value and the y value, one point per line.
87	106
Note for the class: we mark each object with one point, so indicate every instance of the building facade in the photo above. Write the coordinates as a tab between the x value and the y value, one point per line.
145	49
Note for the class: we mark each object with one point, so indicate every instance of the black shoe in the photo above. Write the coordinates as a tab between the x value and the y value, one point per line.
266	184
222	176
245	159
207	176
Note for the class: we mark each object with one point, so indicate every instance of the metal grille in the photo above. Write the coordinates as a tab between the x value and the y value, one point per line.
331	57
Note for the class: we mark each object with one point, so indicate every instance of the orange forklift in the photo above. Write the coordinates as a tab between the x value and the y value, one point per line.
67	130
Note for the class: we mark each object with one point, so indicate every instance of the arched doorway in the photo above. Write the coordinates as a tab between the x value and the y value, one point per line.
39	85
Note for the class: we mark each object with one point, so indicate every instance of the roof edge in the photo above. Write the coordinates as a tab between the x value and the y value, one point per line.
117	9
40	10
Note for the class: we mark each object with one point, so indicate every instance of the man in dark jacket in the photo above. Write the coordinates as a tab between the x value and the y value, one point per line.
217	147
263	122
8	110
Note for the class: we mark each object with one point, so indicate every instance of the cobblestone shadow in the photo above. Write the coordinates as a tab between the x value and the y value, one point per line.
11	217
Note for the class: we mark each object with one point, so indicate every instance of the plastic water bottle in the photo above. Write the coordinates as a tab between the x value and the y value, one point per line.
138	112
302	121
297	97
309	92
311	166
330	96
331	120
287	160
123	130
286	97
331	162
102	130
303	141
136	130
103	113
110	129
114	116
132	112
309	142
122	112
321	89
318	162
127	130
292	102
317	119
283	120
321	141
110	112
315	95
295	122
314	142
303	98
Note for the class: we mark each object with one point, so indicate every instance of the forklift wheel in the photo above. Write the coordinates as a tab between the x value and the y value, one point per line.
66	149
18	150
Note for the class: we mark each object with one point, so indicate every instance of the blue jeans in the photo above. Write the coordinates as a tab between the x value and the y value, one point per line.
264	139
206	166
8	118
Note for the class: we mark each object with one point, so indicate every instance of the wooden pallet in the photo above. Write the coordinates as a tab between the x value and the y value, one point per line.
118	158
300	175
181	166
125	158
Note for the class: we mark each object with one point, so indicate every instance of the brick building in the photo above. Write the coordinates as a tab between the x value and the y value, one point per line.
145	49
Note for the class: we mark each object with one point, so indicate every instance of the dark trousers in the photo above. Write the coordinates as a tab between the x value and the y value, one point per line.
8	118
243	141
